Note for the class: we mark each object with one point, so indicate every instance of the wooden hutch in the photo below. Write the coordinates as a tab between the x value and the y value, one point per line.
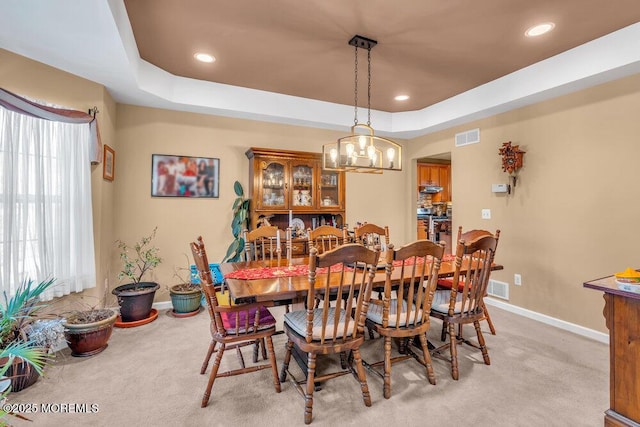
292	184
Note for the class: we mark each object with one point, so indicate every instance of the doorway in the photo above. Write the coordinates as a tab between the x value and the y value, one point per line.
434	200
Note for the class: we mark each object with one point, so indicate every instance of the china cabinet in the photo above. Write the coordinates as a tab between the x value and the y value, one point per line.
285	184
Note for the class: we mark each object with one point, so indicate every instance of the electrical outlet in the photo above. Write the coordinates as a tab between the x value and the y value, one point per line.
486	213
517	279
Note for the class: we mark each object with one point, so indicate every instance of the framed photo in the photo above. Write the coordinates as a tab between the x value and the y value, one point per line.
184	176
108	163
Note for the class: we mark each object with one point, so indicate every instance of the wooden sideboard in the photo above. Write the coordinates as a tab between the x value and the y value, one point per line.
622	315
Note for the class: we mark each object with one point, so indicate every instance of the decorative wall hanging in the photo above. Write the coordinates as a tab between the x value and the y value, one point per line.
108	163
512	161
184	176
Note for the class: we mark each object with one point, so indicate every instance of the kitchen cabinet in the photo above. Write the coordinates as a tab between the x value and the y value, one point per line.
438	175
281	181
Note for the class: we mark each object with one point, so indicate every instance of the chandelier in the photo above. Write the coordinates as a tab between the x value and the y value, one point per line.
362	151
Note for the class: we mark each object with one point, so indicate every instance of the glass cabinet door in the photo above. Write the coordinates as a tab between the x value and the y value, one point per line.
274	186
329	194
302	184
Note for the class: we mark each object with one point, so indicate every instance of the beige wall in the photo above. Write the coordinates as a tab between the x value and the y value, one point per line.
142	132
41	82
576	205
570	218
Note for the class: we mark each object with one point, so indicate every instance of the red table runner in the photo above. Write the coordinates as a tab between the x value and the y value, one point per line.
273	272
301	270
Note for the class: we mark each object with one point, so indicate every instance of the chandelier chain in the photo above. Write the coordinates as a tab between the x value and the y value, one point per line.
355	103
369	87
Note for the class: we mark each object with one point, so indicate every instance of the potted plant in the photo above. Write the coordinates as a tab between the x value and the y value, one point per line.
21	358
239	223
135	298
186	295
88	331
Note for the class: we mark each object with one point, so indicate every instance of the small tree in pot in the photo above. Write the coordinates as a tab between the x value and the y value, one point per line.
186	295
135	298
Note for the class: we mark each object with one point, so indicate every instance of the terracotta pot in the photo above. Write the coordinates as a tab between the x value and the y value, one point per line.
22	374
135	300
185	301
87	339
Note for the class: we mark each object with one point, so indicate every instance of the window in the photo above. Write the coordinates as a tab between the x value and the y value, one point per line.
46	225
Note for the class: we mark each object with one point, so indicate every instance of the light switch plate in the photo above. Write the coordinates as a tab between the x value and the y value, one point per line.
486	213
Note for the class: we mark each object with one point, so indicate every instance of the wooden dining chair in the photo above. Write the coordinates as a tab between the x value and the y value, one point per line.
233	327
371	235
415	276
446	283
463	304
326	238
332	329
262	244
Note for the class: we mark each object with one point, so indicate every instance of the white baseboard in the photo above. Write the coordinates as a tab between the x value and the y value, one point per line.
567	326
163	305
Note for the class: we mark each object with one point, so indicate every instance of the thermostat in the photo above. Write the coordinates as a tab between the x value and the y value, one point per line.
499	188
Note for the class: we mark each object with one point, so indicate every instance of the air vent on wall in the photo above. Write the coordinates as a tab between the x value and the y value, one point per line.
469	137
498	289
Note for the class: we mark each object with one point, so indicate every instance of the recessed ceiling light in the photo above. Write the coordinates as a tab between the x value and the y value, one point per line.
204	57
540	29
401	97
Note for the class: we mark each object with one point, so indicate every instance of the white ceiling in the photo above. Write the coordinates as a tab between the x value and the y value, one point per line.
94	40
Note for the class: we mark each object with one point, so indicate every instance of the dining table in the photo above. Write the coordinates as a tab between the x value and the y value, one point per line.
287	282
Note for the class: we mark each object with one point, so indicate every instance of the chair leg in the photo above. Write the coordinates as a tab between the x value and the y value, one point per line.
240	357
256	350
274	364
264	350
308	396
212	375
486	315
285	363
453	351
427	359
205	364
443	334
483	347
362	377
387	368
371	335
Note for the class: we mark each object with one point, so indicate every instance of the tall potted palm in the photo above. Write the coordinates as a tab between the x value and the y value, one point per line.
136	297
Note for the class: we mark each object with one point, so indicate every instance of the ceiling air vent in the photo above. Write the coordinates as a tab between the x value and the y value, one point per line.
469	137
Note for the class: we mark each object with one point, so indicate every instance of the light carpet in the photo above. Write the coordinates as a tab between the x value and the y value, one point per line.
149	375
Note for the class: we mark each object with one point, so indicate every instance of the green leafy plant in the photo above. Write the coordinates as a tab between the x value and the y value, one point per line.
19	312
239	223
17	316
145	260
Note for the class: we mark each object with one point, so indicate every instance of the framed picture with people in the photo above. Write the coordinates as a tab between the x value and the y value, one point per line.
184	176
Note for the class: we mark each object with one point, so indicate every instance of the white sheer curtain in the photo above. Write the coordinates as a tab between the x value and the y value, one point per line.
46	226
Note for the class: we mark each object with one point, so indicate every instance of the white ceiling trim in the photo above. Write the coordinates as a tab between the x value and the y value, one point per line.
94	40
